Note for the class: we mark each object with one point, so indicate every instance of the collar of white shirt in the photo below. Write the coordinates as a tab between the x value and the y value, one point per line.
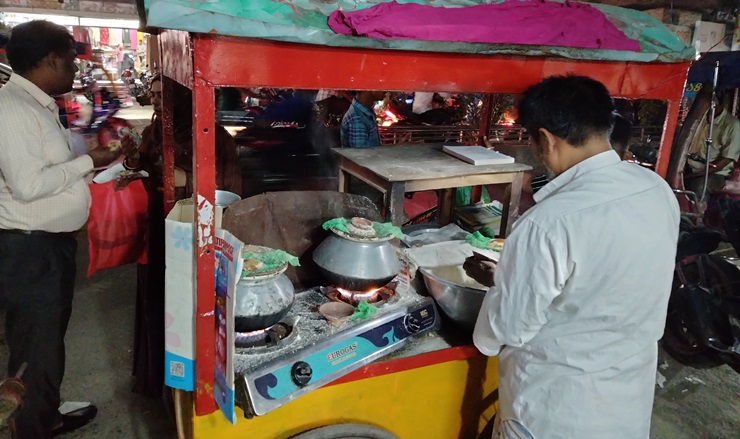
32	89
598	161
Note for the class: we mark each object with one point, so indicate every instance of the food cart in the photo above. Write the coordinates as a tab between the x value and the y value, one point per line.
444	391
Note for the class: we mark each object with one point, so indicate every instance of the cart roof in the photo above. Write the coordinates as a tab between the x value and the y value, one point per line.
729	69
305	21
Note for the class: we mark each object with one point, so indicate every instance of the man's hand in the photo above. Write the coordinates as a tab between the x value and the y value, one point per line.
487	143
129	148
102	156
480	268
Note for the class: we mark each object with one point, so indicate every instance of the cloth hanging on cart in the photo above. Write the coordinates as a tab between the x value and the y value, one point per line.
305	21
547	23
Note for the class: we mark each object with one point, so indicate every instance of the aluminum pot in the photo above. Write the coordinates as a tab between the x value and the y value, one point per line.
459	302
224	198
357	263
262	300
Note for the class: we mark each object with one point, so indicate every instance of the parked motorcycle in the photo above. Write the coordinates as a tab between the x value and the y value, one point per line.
133	83
87	81
703	322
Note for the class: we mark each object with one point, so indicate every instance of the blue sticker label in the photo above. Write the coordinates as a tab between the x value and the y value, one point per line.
179	372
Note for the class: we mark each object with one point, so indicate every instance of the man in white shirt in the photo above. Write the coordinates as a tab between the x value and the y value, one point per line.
43	202
581	290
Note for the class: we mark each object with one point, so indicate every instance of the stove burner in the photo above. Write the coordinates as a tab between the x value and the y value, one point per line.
376	296
269	337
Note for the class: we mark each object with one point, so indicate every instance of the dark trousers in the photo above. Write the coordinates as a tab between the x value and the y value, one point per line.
37	275
696	184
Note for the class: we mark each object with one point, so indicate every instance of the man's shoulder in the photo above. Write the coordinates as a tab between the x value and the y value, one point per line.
13	102
630	184
350	117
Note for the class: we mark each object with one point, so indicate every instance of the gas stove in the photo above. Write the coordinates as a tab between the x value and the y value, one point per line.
314	353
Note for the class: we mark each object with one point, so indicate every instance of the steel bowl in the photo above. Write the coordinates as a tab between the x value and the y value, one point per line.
224	198
460	303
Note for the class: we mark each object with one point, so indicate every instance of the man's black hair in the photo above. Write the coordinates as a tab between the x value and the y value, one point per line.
621	134
32	41
570	107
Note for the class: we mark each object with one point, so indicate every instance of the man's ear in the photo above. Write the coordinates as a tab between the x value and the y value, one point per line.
547	141
51	60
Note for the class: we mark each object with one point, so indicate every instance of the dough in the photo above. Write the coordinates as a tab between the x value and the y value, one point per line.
456	275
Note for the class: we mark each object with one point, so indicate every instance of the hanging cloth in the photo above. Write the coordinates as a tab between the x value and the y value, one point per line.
104	36
116	37
134	43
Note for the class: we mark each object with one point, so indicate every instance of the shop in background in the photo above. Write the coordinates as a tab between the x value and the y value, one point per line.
117	42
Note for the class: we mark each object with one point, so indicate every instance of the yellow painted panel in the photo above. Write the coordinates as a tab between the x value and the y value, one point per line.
447	400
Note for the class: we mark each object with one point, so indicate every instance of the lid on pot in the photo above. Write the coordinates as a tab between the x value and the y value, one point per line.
360	229
263	262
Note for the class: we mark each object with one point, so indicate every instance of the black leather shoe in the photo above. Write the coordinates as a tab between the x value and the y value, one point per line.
76	419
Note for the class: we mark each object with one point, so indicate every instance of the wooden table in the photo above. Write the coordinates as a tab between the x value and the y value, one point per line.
395	170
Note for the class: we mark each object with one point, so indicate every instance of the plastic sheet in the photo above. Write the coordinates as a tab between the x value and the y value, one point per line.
305	21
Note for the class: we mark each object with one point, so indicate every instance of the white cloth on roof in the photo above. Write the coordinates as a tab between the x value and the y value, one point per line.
41	182
580	301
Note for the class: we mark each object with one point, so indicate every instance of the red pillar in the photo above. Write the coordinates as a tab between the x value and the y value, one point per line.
669	132
168	143
204	190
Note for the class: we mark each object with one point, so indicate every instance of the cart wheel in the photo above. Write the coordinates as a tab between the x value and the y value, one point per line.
347	431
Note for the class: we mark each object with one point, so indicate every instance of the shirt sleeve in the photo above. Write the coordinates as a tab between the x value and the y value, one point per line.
731	150
532	272
24	164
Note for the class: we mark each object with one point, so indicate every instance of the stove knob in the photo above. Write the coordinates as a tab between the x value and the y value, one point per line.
412	324
301	373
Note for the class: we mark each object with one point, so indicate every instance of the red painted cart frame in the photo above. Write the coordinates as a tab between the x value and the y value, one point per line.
204	61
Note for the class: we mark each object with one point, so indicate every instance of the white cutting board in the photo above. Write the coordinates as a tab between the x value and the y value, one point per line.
478	155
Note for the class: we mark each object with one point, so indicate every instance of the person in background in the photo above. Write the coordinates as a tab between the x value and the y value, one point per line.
723	152
148	368
141	54
359	125
128	63
44	201
579	296
119	59
620	136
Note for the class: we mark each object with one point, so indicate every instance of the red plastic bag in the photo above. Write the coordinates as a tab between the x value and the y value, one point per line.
116	229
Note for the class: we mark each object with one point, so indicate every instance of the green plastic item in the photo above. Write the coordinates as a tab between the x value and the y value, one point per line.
381	229
385	229
462	196
364	311
477	240
336	223
271	260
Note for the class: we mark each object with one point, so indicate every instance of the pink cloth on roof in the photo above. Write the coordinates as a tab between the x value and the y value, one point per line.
534	22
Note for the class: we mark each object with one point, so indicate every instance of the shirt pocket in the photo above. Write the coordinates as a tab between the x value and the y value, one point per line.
57	145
